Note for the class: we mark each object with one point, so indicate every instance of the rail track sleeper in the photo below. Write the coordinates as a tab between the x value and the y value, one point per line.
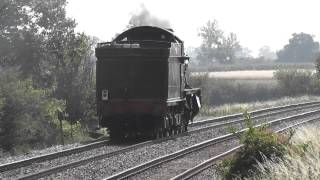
204	165
56	169
25	162
171	156
240	115
241	120
81	162
137	169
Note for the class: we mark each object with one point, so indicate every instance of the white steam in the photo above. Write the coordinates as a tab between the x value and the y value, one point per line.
145	18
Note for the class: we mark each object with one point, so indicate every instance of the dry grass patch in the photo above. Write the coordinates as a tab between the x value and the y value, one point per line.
303	163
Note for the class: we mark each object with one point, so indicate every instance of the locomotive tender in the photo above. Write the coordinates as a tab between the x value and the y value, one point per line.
142	87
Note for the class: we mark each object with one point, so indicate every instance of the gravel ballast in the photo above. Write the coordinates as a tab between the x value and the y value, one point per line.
107	167
212	174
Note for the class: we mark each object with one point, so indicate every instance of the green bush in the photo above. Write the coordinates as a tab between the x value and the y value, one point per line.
223	91
28	116
259	144
294	82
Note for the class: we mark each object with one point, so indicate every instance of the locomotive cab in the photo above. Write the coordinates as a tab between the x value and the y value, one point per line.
141	84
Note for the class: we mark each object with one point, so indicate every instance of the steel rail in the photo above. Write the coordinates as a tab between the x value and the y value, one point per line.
155	162
209	163
255	117
56	169
67	152
44	157
253	113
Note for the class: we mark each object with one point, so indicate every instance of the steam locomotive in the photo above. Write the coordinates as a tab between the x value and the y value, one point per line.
142	87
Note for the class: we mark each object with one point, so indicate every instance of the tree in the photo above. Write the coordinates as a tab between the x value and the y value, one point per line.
216	46
38	40
75	76
301	48
28	116
265	53
27	30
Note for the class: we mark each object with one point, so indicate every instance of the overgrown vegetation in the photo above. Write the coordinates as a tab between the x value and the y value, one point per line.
287	82
259	143
45	67
293	82
302	161
28	116
221	91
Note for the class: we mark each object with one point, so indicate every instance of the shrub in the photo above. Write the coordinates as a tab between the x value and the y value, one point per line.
303	161
259	143
28	116
222	91
294	81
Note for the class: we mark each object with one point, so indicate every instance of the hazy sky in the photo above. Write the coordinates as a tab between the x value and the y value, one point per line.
256	22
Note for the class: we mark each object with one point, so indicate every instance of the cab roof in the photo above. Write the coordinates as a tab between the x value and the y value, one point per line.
149	33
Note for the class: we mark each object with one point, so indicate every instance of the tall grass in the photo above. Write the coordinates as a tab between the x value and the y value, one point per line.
295	165
221	91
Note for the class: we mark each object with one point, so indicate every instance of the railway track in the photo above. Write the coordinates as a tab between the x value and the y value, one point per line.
141	171
25	162
195	128
192	172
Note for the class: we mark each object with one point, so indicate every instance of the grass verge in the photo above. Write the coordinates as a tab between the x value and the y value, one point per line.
302	164
226	109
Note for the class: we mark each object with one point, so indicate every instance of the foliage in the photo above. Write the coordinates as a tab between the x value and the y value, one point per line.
216	46
27	115
221	91
301	48
294	81
75	79
266	53
259	143
25	35
38	40
317	65
303	161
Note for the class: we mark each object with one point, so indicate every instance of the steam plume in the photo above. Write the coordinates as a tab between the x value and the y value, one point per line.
145	18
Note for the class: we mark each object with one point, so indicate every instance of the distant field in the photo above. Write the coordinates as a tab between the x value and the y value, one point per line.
252	74
240	75
244	66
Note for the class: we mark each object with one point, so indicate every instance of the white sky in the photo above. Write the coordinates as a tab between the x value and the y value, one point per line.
256	22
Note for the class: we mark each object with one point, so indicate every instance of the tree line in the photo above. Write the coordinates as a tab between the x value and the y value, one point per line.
219	47
46	68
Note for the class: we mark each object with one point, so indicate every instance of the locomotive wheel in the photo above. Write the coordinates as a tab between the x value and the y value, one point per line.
166	133
116	132
156	133
116	135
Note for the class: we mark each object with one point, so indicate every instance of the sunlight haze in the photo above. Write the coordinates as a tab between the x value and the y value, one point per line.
256	23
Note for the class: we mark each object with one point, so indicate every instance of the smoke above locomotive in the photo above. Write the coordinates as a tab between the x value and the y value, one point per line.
142	88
